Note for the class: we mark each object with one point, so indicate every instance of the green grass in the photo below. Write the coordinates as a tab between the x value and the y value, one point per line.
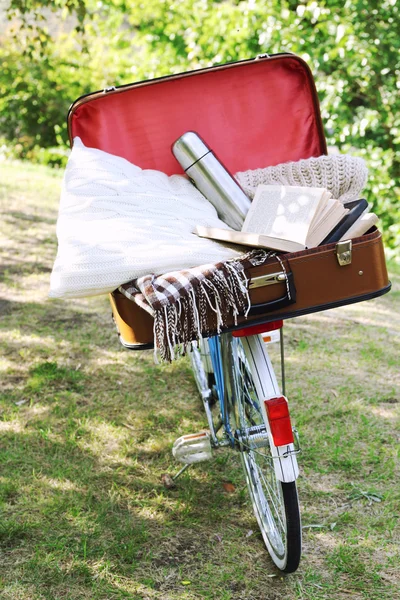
86	430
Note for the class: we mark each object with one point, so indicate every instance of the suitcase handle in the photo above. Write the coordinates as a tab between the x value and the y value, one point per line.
286	300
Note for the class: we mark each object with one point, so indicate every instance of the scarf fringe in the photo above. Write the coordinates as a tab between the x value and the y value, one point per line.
176	325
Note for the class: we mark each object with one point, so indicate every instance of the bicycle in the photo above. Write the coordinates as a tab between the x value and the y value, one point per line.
246	412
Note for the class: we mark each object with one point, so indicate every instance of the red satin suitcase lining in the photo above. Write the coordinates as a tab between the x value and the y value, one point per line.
252	113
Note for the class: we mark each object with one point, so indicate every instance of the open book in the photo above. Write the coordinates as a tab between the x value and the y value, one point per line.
284	218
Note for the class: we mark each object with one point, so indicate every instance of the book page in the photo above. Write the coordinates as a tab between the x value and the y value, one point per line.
283	211
363	223
326	223
254	240
322	217
325	204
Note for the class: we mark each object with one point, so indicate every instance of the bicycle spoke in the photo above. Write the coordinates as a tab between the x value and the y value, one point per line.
267	458
272	493
274	496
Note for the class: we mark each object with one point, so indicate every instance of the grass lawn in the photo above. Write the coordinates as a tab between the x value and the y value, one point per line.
86	430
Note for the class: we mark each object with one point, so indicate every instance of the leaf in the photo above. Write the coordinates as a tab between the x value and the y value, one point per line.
186	582
375	497
228	487
358	494
167	481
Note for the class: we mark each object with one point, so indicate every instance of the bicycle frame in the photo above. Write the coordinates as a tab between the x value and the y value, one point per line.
214	344
221	350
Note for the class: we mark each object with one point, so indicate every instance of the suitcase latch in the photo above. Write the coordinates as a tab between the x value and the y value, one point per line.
270	279
344	252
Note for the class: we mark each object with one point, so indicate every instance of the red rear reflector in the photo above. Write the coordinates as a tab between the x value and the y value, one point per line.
279	420
277	408
255	329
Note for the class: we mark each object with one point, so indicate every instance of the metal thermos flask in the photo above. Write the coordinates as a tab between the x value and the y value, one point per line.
212	179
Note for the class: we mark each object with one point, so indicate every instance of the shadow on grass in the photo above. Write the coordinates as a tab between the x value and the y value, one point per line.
17	217
83	524
24	268
50	315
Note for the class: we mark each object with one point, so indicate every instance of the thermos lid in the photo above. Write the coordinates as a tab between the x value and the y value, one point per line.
189	148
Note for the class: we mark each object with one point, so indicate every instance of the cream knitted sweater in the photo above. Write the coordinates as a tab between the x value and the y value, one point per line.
341	174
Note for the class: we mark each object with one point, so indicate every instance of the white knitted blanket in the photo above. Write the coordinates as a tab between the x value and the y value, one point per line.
118	222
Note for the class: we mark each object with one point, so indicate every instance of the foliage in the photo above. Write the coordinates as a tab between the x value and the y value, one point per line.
38	85
353	49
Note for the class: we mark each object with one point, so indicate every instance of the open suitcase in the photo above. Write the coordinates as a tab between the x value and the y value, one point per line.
253	113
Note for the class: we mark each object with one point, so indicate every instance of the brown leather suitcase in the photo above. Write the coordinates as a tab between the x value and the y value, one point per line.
253	113
320	278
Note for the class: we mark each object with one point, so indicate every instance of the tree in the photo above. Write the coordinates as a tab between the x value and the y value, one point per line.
353	49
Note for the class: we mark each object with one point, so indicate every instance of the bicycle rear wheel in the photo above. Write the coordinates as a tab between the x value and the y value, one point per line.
250	379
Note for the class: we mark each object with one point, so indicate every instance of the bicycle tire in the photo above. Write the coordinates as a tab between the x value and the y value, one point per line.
275	504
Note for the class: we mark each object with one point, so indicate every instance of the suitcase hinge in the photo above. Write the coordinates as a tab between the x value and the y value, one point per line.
344	252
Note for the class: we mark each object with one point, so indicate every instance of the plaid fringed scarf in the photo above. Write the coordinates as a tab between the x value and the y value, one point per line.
180	301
